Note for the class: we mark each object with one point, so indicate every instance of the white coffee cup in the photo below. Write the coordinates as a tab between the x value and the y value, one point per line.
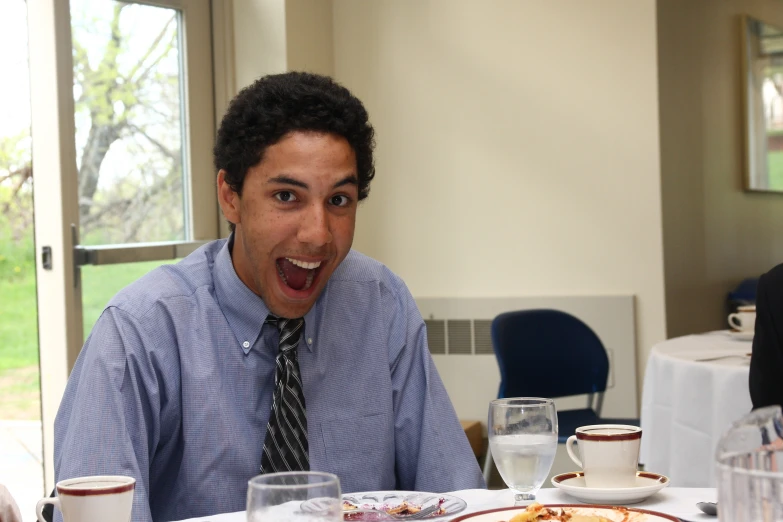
103	498
609	454
744	319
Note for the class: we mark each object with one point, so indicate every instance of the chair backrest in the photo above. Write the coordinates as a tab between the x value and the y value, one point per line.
744	294
547	353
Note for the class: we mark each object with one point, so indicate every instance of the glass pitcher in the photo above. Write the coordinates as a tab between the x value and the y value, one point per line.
749	464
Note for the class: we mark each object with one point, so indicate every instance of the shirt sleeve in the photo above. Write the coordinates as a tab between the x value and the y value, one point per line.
107	423
432	452
766	363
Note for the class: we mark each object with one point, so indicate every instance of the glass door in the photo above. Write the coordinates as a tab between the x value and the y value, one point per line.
122	129
21	470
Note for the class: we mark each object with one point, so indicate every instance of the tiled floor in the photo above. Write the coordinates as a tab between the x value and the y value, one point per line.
21	468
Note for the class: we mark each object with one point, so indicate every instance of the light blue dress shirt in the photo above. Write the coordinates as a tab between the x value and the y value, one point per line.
174	387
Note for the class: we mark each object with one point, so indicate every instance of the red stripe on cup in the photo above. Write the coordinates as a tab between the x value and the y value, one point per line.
586	435
567	476
654	476
75	491
577	474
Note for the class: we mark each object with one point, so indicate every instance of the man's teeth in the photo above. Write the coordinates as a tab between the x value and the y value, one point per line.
304	264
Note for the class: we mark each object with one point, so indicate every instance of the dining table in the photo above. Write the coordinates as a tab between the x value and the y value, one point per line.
694	388
679	502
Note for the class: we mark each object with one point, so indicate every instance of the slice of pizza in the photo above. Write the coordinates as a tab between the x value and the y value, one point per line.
349	506
404	508
536	512
531	513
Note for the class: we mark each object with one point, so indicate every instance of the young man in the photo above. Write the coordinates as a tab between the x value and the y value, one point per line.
279	348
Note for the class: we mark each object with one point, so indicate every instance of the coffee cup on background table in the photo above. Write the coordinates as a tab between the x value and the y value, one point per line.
744	319
103	498
609	454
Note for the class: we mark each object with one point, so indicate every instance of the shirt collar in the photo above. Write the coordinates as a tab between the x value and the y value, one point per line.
244	310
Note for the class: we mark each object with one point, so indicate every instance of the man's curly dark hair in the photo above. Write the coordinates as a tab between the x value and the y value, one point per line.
275	105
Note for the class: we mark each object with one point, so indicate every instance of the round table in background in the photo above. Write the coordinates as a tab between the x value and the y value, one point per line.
688	403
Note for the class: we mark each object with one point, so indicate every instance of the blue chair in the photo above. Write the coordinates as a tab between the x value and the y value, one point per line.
744	294
550	353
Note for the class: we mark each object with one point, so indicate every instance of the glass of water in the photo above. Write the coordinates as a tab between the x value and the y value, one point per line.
300	496
523	442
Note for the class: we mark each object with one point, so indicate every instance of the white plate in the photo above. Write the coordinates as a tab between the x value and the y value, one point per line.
647	484
372	505
741	336
615	514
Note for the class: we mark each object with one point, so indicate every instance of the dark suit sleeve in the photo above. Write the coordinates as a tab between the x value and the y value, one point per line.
766	363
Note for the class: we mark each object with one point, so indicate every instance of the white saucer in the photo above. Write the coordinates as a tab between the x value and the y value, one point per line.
741	335
647	484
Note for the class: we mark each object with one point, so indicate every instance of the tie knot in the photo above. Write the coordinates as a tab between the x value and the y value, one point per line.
281	323
290	330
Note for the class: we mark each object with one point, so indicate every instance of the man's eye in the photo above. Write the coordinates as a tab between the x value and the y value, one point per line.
340	201
285	196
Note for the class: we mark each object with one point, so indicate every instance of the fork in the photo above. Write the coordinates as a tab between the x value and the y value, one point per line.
741	356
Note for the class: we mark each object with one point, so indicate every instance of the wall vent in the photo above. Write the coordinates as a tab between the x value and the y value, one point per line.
436	335
483	337
459	336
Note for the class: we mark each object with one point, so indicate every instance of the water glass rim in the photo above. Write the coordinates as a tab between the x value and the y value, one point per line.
267	480
522	401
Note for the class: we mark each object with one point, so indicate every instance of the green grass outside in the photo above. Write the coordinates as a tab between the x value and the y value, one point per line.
18	321
18	324
775	164
19	378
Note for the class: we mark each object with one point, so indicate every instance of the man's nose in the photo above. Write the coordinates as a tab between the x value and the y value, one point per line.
315	227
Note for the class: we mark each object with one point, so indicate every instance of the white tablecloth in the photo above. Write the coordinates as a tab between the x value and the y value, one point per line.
680	502
688	404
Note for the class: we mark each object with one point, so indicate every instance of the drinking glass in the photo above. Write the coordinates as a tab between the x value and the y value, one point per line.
523	442
300	496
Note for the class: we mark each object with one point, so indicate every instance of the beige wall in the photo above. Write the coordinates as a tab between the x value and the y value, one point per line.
517	140
259	39
714	233
517	146
309	36
273	36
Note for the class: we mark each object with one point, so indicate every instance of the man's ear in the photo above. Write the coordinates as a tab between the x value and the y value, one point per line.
230	202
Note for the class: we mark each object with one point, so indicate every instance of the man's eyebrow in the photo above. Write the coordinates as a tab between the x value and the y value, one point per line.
283	179
287	180
347	180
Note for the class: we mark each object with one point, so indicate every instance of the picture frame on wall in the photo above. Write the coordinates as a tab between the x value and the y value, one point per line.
762	103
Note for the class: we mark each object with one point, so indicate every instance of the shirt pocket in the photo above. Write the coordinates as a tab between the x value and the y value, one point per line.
361	452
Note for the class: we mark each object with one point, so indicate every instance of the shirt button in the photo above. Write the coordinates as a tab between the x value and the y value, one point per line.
246	344
309	340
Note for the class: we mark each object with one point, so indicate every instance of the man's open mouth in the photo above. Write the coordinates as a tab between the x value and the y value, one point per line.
296	274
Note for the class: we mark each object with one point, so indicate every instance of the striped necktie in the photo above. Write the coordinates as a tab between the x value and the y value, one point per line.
285	445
